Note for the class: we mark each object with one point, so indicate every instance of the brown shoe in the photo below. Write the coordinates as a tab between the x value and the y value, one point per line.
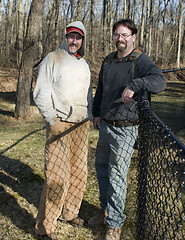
77	222
97	219
113	234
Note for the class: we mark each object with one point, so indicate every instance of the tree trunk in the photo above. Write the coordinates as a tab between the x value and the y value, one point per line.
72	10
1	31
22	108
0	11
56	24
142	23
26	5
125	9
8	30
110	24
105	3
116	10
91	40
151	24
179	32
20	31
134	10
79	10
128	9
49	28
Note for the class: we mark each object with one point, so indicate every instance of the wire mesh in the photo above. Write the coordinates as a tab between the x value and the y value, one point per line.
161	196
65	176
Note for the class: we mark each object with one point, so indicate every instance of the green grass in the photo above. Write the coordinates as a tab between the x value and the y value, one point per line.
169	106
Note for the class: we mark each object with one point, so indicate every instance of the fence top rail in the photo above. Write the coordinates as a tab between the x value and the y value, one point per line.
173	70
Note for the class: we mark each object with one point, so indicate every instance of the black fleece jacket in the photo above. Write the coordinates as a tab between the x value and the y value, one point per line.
115	76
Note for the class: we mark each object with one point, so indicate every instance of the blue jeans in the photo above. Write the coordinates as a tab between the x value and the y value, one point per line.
113	156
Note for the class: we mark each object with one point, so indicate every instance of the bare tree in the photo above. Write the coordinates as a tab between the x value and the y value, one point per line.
128	8
158	22
151	25
104	20
180	30
91	40
134	10
0	10
116	10
8	28
79	10
22	108
20	31
26	5
56	23
72	10
125	9
159	33
1	40
141	39
107	25
110	23
49	31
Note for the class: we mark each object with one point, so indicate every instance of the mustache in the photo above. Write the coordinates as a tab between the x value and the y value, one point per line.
120	42
73	44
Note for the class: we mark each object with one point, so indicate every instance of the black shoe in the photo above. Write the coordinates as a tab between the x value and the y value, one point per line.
97	219
51	236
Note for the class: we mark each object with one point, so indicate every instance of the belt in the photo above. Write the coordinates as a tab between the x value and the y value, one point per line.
122	123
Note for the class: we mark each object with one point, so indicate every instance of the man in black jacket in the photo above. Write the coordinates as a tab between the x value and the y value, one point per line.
116	116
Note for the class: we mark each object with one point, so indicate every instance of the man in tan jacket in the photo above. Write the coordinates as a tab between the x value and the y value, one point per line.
63	95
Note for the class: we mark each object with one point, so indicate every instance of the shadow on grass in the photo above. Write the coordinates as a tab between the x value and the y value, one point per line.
7	113
87	211
10	97
18	215
20	178
18	181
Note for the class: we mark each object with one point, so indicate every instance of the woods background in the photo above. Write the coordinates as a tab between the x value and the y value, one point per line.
31	29
160	23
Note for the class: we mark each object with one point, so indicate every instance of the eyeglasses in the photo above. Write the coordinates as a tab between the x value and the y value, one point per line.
124	36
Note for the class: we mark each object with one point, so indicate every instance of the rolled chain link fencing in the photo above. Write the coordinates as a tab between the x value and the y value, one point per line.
161	195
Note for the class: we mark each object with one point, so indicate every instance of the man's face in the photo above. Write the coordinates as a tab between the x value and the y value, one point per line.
123	39
74	42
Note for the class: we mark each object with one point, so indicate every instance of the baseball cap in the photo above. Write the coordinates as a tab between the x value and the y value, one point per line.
74	29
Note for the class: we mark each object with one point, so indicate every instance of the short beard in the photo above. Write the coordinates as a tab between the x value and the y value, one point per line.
121	48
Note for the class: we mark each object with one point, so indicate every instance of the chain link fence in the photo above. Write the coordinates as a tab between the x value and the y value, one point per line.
161	193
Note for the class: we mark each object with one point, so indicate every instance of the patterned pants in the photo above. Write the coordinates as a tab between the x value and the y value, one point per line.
65	176
113	156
